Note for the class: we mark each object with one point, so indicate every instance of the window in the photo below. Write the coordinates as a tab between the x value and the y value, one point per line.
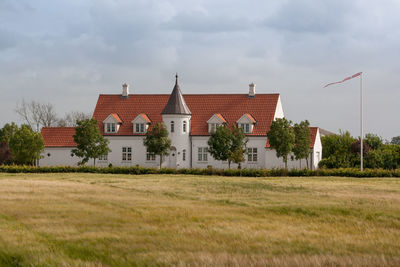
126	153
245	127
213	127
184	155
110	127
150	156
202	154
252	154
184	126
103	157
139	127
172	126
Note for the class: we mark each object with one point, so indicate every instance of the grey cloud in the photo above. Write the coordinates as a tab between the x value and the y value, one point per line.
199	22
311	16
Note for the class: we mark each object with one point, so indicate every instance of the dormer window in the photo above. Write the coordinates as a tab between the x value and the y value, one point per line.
216	120
139	127
141	123
112	123
110	128
245	127
246	122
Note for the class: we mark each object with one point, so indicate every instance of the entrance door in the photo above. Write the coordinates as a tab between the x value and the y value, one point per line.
172	157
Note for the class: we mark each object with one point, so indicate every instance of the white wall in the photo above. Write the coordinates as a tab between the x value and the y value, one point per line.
317	151
58	156
138	152
279	110
179	139
201	141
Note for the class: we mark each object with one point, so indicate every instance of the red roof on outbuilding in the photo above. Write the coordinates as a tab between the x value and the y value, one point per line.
202	106
58	136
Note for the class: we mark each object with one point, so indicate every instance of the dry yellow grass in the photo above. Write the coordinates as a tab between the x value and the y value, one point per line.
117	220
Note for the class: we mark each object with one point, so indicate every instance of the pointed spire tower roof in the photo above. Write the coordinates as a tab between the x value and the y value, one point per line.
176	103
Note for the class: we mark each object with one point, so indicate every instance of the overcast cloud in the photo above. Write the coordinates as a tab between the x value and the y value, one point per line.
68	52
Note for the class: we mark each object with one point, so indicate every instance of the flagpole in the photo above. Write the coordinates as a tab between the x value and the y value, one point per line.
361	124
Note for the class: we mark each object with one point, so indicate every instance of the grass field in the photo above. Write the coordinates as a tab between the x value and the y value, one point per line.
121	220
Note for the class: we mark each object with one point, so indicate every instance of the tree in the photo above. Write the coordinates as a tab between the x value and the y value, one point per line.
36	115
374	141
356	147
228	144
7	132
26	145
5	153
281	138
337	151
157	141
395	140
238	146
71	118
90	142
301	149
219	144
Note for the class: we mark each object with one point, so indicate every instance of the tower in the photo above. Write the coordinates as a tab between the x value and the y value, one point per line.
176	117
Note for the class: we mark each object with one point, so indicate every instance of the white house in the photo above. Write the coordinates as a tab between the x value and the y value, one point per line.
125	118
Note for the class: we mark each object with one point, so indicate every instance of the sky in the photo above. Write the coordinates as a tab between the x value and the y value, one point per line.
67	52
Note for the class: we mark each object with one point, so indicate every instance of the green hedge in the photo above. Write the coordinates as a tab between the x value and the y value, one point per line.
345	172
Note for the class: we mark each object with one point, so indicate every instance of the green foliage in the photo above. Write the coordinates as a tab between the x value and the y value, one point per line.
157	141
7	132
341	172
5	153
219	143
336	151
373	140
395	140
238	145
90	142
281	138
228	144
301	149
26	145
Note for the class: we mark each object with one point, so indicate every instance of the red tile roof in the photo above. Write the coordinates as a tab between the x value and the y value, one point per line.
313	135
230	106
58	136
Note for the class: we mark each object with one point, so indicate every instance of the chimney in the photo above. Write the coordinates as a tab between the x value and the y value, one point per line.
252	90
125	90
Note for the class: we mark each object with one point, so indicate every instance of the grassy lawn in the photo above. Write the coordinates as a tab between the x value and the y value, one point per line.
120	220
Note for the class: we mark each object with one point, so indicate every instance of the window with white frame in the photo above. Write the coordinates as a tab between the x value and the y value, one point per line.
213	127
150	156
202	154
184	126
126	153
103	157
252	154
245	127
184	155
139	127
110	128
172	126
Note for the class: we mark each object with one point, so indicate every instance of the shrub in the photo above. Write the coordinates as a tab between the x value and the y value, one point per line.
344	172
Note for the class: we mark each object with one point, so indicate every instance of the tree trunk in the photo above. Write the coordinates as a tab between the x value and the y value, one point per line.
300	164
229	164
160	161
307	162
285	160
94	162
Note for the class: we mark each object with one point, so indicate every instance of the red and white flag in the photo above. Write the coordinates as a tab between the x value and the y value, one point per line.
346	79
